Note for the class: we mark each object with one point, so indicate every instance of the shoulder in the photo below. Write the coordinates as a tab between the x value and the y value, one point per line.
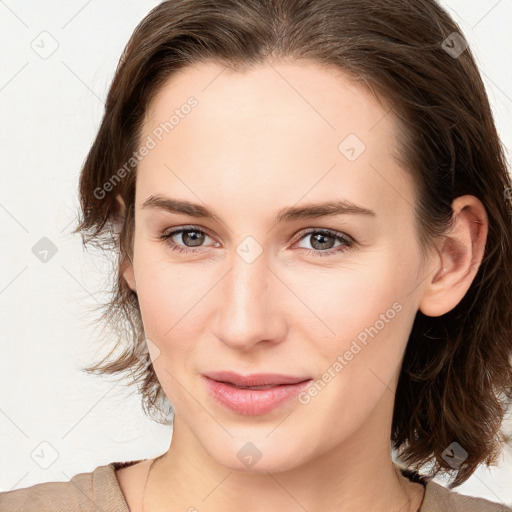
438	498
87	492
441	499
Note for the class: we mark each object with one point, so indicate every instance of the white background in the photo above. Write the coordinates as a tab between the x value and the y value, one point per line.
50	110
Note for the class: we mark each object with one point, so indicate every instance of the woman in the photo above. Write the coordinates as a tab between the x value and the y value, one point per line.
310	205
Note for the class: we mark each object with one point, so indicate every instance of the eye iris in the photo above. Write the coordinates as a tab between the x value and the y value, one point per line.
319	238
197	238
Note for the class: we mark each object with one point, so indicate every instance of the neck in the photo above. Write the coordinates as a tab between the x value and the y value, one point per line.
351	476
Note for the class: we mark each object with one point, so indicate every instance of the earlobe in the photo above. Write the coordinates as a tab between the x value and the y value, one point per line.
122	207
129	277
458	257
117	217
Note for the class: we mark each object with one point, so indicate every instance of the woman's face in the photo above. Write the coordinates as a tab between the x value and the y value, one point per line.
263	292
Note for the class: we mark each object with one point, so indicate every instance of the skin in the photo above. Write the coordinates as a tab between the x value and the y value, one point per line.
258	142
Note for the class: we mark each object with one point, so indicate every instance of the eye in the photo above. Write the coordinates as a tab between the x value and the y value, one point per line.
322	241
188	235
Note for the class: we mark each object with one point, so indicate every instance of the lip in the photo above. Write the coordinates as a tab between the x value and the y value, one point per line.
253	402
255	379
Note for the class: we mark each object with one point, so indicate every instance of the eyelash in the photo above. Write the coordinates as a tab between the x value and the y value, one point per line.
346	240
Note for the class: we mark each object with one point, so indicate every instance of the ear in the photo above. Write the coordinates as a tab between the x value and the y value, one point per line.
128	273
459	257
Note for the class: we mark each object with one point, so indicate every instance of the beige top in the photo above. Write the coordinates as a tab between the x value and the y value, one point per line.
99	491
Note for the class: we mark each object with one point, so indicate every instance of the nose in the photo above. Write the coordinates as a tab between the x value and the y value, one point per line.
250	308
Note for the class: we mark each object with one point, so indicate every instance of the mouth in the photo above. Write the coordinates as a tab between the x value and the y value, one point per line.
254	395
255	380
251	387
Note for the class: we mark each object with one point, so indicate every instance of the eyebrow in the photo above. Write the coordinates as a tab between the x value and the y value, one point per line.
290	213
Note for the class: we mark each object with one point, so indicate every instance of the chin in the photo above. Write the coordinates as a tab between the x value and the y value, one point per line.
259	453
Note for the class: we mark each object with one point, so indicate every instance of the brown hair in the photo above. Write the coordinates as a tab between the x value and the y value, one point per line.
456	379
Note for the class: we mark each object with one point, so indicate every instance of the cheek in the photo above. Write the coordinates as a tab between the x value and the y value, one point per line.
167	297
360	362
357	296
172	300
369	315
164	289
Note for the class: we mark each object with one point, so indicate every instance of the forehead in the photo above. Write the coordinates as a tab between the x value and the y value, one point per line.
301	88
304	128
